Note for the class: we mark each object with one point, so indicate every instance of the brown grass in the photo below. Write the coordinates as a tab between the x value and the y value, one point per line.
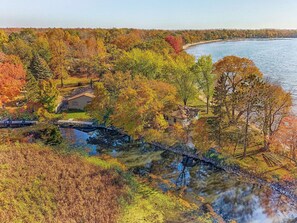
39	185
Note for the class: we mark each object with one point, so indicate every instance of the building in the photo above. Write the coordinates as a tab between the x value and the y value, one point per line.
79	101
183	115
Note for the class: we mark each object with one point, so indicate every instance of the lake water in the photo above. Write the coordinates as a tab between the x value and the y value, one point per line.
276	58
230	196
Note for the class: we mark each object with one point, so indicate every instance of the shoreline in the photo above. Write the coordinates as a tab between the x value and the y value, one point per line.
280	187
189	45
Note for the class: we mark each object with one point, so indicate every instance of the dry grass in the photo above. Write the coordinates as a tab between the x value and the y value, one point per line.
39	185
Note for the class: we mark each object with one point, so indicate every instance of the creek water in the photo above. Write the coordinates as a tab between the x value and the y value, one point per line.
231	196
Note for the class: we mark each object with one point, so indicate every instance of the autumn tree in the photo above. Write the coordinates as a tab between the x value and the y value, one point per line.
3	38
176	42
201	135
236	100
232	72
59	51
137	106
12	78
275	105
285	138
140	109
205	78
249	93
107	93
128	41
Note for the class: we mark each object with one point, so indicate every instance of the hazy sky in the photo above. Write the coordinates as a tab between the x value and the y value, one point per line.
165	14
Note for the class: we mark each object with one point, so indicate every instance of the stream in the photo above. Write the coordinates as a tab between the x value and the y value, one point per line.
232	197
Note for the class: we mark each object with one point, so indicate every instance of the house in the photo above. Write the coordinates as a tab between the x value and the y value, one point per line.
79	101
183	115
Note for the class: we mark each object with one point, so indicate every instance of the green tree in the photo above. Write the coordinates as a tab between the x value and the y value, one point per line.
178	71
42	47
19	48
32	88
205	78
39	68
143	62
48	95
102	106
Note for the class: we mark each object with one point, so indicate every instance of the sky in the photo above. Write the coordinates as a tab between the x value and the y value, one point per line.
150	14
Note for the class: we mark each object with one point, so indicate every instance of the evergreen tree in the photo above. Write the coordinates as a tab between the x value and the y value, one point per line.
32	88
219	97
40	68
48	95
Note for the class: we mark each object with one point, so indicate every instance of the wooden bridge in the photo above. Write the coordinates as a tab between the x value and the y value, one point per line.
81	125
16	123
71	123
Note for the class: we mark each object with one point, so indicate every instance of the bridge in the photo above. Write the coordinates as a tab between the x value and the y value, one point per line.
16	123
85	126
71	123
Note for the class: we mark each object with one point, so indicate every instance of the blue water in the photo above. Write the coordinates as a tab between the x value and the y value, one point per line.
276	58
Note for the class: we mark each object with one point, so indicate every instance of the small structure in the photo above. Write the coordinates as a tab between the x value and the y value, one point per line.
79	101
183	115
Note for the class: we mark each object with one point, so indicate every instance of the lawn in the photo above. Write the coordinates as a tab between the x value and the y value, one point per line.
73	81
76	115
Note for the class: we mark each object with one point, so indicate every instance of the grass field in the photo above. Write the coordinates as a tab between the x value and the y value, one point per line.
76	115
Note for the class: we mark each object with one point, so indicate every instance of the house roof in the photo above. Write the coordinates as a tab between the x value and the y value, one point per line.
85	94
184	112
179	114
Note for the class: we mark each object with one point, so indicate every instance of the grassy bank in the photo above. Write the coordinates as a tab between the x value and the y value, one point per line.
40	183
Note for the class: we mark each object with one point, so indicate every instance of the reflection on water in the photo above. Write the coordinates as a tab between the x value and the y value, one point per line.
230	196
78	140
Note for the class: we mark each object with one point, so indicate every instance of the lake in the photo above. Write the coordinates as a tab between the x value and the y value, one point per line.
276	58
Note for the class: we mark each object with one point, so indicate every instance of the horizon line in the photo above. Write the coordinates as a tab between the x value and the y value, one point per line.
192	29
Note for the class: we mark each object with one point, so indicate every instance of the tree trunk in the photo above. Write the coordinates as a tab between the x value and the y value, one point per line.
185	101
91	83
62	83
246	129
207	104
293	153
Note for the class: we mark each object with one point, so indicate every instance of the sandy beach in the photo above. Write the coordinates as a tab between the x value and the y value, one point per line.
201	42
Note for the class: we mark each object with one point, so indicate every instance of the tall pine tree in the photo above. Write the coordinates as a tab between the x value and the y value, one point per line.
39	68
32	88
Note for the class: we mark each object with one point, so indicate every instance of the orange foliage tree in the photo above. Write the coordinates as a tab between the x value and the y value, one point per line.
12	78
286	138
